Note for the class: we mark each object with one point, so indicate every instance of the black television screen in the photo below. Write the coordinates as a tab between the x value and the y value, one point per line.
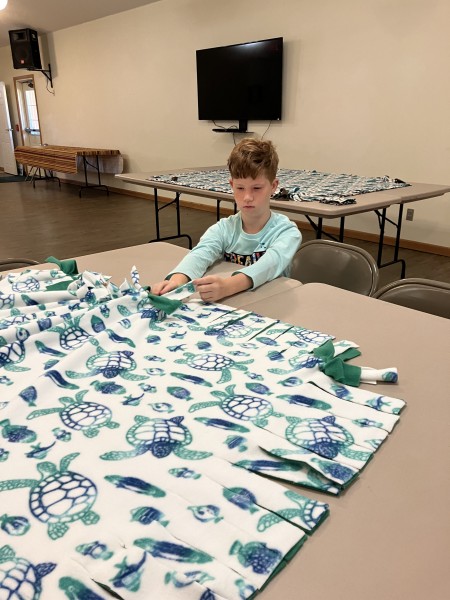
241	82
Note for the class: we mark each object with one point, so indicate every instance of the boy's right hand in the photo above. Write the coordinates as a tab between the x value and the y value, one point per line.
163	287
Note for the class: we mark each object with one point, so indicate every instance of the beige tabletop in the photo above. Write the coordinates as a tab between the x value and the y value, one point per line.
155	260
364	202
388	536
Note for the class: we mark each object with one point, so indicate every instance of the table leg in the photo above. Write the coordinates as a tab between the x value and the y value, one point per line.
158	208
382	218
86	182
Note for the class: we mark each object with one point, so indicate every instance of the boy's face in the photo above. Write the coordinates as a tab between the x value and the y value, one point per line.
252	196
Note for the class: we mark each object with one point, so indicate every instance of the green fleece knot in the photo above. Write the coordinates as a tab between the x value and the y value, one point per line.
336	367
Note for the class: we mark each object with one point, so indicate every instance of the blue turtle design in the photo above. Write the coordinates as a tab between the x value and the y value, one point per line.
110	365
59	497
324	437
211	361
19	578
233	331
308	336
25	284
308	512
13	353
80	415
240	406
159	436
71	334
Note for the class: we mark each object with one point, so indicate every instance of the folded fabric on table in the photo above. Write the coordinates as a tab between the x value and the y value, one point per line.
294	184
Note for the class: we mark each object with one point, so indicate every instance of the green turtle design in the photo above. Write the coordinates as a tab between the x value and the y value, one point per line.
232	331
324	437
59	497
240	406
161	437
19	578
14	352
71	335
25	284
214	362
110	365
80	415
308	513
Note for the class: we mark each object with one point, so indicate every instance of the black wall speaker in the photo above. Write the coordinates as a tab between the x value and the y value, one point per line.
25	49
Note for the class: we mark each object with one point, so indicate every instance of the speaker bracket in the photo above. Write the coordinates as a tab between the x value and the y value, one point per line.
46	72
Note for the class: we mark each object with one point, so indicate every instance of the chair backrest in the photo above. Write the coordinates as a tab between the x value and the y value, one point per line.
425	295
335	263
7	264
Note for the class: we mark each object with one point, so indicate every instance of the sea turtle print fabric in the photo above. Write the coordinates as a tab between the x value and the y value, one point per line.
297	185
133	434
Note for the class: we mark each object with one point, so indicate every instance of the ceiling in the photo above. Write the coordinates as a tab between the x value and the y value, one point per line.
46	16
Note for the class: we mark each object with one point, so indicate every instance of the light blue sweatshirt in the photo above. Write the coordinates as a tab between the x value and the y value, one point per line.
262	256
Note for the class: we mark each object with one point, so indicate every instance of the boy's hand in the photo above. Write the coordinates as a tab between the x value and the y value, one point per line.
213	287
162	287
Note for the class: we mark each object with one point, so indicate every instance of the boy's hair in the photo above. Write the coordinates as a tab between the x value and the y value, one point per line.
252	158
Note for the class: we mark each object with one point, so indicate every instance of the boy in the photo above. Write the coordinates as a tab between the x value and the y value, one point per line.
260	242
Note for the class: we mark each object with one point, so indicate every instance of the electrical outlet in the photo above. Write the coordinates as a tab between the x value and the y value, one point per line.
409	214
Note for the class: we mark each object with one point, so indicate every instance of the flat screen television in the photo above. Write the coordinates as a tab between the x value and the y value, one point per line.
241	82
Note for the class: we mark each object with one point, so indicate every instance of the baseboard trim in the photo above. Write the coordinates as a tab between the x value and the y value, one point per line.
349	233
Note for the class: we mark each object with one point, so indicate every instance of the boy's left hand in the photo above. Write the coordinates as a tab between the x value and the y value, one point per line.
213	287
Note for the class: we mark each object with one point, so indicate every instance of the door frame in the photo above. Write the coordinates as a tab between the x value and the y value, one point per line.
9	163
18	80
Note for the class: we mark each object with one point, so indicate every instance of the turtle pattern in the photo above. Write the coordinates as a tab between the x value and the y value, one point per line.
231	331
160	437
71	334
308	513
308	337
13	353
20	578
80	415
324	437
210	361
240	406
25	284
301	361
13	320
110	364
228	348
60	497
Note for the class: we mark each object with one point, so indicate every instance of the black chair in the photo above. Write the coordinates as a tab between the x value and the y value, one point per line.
335	263
425	295
7	264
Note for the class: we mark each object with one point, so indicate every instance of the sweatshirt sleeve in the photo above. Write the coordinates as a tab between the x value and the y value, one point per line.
209	249
278	257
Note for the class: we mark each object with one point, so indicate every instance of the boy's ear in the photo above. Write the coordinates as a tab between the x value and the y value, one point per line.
275	185
230	181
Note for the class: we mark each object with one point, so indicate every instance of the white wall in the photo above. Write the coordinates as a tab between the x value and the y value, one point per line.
367	89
